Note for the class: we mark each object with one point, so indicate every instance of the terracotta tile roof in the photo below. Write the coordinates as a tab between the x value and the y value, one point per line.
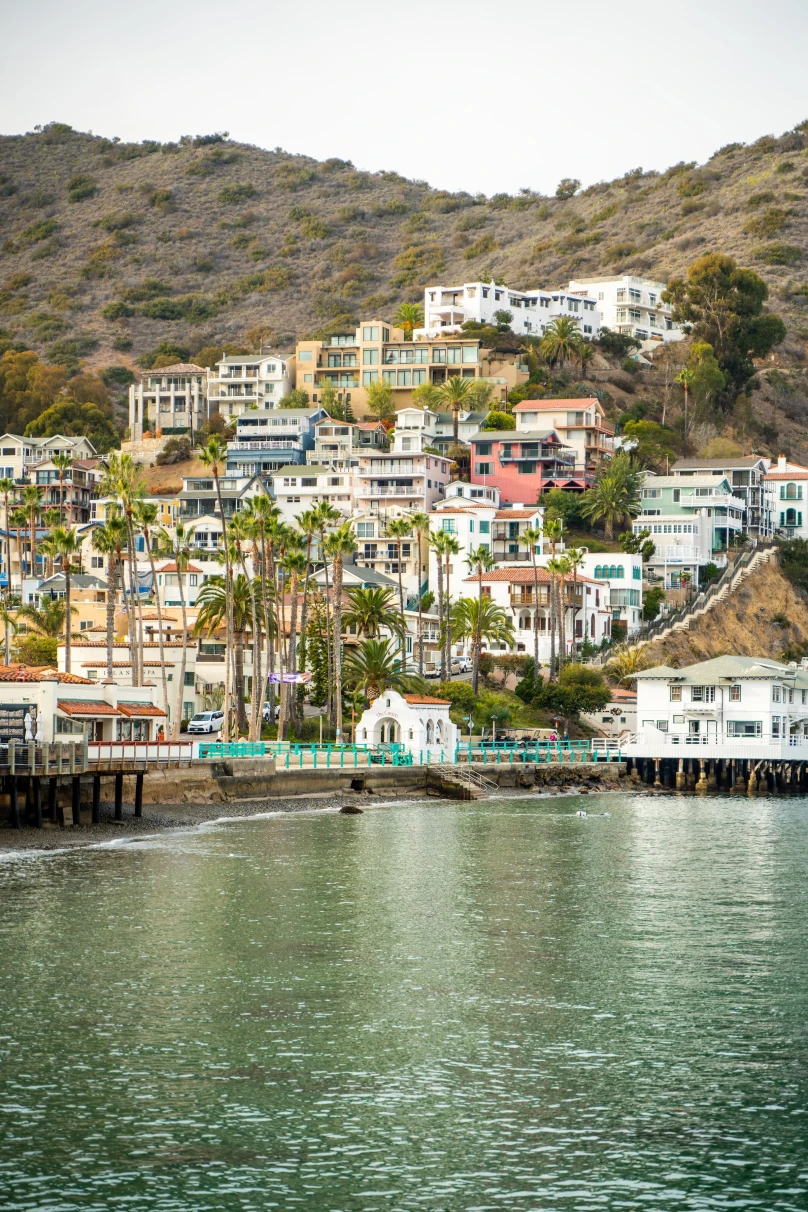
39	673
140	709
173	568
167	618
425	699
124	644
520	576
86	707
796	473
439	513
516	513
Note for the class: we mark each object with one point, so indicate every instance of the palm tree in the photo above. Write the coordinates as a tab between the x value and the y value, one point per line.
575	559
109	539
308	526
531	538
214	457
409	317
124	480
19	520
215	604
399	529
62	461
32	503
49	519
451	548
373	667
478	561
586	353
687	378
427	395
626	662
47	620
262	515
561	342
240	532
455	392
480	619
437	541
338	545
294	567
175	545
327	516
559	569
370	610
67	544
145	516
6	490
615	494
9	626
420	524
553	531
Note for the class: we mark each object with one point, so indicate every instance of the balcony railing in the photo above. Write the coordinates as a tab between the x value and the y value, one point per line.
393	491
720	500
265	444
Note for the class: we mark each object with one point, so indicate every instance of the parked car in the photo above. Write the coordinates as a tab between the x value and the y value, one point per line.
265	711
431	670
207	721
462	665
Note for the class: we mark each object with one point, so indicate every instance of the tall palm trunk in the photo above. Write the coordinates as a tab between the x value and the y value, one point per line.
254	717
552	627
535	610
304	620
332	715
135	641
33	541
238	663
455	421
446	659
267	628
228	589
68	638
112	577
175	730
478	632
441	597
337	615
147	540
291	662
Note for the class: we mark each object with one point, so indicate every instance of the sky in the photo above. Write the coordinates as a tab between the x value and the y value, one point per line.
465	96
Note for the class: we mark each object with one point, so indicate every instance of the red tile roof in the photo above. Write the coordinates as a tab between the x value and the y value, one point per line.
425	699
39	673
140	709
524	576
173	568
86	707
549	405
516	513
796	473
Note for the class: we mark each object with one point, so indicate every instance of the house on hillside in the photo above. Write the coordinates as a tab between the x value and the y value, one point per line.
747	476
785	486
242	382
580	424
522	464
168	401
692	522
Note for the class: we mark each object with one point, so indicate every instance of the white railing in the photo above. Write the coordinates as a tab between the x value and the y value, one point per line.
159	752
717	499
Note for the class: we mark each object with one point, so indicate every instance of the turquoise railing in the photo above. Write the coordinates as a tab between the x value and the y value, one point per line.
290	754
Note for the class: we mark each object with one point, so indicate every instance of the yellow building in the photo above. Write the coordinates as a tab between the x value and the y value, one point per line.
376	352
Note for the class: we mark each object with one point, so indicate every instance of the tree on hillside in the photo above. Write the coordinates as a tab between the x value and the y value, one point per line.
723	304
455	393
380	401
296	398
655	445
409	317
68	417
561	341
615	493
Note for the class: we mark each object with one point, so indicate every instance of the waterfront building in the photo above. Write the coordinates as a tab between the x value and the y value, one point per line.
580	424
46	704
449	307
522	464
268	439
730	706
748	476
168	401
786	495
618	718
692	522
242	382
419	723
631	305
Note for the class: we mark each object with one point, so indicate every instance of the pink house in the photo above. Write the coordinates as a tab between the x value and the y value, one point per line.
521	463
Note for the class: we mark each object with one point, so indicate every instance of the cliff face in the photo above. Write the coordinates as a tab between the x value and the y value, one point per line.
763	617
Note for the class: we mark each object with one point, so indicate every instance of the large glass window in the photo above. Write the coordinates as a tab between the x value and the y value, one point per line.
370	332
304	355
469	353
744	727
454	353
439	355
370	357
418	377
404	378
369	376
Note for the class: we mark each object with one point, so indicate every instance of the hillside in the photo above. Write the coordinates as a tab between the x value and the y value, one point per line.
197	242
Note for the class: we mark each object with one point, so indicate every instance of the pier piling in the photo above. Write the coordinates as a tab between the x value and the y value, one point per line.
96	799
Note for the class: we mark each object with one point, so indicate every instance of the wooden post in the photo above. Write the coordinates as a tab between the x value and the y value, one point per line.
657	782
96	799
118	797
139	793
29	801
701	785
76	799
52	785
14	807
680	775
37	801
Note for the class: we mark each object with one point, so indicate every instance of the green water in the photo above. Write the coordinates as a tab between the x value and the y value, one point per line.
495	1005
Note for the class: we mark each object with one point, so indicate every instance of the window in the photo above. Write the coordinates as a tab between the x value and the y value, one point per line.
365	530
676	694
389	377
744	728
636	573
790	492
775	694
483	448
308	378
735	694
369	376
702	694
304	355
485	528
192	579
370	332
484	469
469	353
775	725
449	525
370	357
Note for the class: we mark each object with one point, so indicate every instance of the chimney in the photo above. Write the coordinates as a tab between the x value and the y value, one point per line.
781	462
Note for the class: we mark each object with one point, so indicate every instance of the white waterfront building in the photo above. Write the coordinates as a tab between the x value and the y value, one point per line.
633	306
531	310
417	722
729	707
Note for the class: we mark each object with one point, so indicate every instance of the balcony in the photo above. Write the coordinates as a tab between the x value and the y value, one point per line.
394	490
289	443
718	500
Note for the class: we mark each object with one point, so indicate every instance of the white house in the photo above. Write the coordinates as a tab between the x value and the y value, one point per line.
631	305
300	486
785	488
623	574
171	400
405	478
728	707
18	454
242	382
417	722
531	310
47	705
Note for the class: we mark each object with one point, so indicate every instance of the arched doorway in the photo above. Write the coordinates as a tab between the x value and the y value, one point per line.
388	732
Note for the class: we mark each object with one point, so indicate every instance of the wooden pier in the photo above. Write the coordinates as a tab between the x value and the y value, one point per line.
733	776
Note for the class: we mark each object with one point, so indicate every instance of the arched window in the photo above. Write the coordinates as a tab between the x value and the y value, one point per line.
620	572
429	732
439	732
791	492
598	572
791	516
524	623
592	627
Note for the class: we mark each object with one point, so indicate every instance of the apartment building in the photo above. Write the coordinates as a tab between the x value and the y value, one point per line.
522	464
468	424
623	573
786	494
587	612
376	352
406	477
747	475
483	524
337	443
459	491
376	551
198	498
692	522
449	307
170	400
631	305
580	424
71	490
241	382
297	489
19	454
268	439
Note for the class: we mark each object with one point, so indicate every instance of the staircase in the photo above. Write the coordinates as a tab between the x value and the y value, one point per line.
731	578
464	778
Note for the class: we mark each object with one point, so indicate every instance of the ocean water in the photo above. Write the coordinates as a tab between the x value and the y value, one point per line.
493	1005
